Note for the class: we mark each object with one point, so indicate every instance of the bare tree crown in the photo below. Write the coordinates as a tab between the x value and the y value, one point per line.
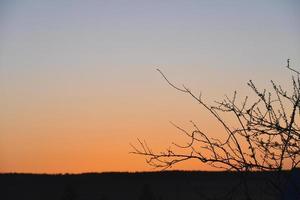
266	136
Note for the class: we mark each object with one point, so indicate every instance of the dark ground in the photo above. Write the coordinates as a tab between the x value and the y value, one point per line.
169	185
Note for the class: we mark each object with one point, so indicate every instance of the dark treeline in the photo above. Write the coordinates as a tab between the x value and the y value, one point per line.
167	185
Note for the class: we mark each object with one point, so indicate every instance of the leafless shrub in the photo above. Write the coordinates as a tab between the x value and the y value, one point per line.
265	136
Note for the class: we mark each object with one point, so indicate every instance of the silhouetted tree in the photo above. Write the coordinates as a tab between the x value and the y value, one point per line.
264	137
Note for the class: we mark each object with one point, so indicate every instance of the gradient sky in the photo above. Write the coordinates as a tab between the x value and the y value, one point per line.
78	81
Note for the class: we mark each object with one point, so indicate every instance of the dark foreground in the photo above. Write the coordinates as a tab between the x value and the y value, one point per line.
170	185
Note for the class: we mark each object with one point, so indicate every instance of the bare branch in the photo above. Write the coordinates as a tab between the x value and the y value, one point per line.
265	137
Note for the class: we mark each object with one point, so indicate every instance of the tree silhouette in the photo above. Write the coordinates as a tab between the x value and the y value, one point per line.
264	137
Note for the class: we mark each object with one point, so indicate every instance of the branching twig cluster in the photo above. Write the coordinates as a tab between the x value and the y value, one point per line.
265	137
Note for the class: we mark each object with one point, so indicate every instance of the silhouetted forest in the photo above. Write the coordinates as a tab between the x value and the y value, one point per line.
167	185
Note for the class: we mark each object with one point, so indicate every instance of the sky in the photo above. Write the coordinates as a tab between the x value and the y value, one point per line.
78	79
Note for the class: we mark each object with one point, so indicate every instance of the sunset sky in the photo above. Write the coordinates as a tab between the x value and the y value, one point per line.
78	82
